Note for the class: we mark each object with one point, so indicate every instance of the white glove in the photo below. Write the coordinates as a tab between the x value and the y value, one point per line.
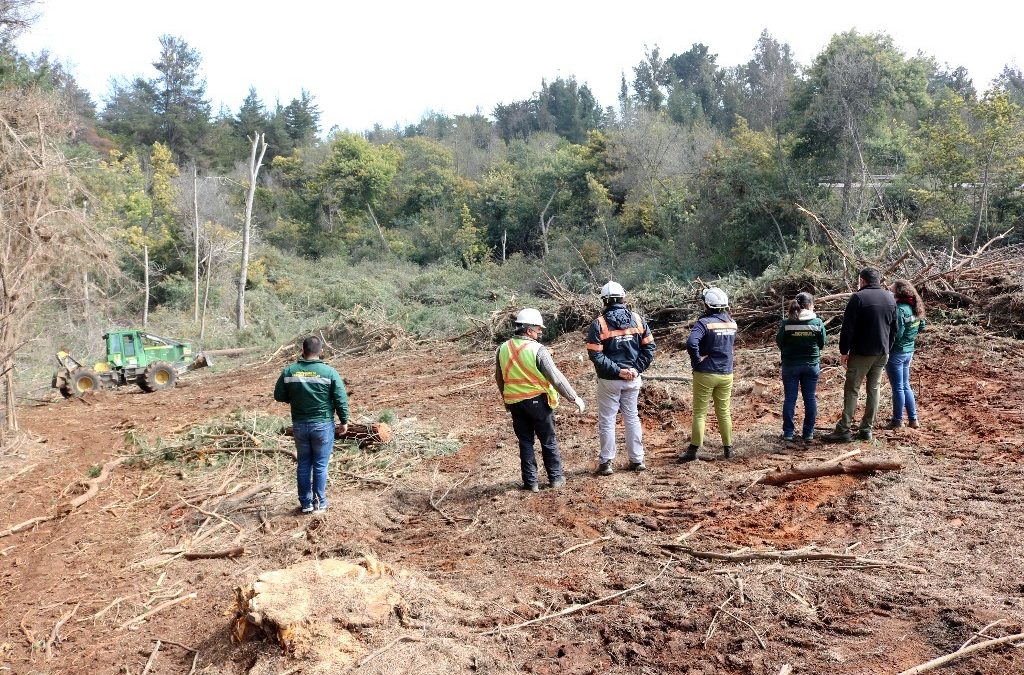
580	404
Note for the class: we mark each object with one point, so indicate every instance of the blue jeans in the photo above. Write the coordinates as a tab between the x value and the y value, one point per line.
800	377
898	370
314	442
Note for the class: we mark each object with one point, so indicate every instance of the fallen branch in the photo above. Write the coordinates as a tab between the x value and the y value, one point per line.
668	378
152	658
961	653
227	506
780	476
583	545
93	484
92	490
800	555
400	638
55	633
579	608
226	553
159	608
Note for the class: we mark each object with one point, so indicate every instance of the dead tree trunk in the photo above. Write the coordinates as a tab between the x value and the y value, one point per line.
145	285
258	143
545	222
195	242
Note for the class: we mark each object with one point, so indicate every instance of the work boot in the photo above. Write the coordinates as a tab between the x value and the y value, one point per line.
865	435
788	439
913	424
690	454
838	437
557	482
893	425
532	487
605	468
637	466
306	509
727	451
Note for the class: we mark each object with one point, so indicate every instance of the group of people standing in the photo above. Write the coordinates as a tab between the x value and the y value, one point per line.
880	329
621	347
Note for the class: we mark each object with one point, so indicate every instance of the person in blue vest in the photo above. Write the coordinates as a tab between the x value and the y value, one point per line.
315	393
801	337
910	322
710	346
530	382
621	347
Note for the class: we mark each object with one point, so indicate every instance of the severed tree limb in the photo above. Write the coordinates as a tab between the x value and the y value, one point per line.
93	487
400	638
226	553
788	556
229	505
159	608
93	484
961	653
55	633
579	608
152	658
583	545
780	476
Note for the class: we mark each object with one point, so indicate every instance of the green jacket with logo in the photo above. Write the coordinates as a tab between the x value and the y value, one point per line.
314	390
801	340
909	327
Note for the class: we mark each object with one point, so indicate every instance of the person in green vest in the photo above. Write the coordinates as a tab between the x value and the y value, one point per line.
801	337
530	382
910	321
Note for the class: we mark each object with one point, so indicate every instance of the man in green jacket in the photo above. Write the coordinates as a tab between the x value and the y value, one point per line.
315	392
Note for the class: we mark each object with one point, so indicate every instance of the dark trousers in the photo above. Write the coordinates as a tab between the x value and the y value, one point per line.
534	417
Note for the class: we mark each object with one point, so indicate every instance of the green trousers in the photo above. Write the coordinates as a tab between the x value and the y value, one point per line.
859	368
708	386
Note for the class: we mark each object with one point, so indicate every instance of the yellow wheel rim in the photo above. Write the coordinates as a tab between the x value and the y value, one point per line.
86	384
162	377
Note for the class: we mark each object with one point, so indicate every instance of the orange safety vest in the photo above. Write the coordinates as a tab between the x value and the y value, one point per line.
520	375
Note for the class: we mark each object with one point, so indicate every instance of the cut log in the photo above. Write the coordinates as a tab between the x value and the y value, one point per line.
237	351
378	433
780	476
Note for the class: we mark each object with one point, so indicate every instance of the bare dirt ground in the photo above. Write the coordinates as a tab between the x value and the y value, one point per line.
468	552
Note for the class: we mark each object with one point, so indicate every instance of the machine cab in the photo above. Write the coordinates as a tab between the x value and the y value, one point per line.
123	349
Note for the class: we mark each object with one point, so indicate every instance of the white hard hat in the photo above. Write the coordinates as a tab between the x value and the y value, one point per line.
613	290
715	298
530	317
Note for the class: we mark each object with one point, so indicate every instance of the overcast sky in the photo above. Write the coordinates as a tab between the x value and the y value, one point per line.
387	61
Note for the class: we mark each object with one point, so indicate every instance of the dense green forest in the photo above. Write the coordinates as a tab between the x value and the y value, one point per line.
697	169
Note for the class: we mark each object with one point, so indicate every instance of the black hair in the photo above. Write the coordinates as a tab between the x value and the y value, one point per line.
803	300
312	346
521	328
871	275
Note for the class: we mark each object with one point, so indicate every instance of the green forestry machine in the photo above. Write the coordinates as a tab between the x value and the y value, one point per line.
133	357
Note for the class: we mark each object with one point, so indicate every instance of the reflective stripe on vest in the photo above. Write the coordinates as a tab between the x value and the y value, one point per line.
521	377
605	333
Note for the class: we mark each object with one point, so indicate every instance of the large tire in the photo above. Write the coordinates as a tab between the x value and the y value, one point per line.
82	381
159	375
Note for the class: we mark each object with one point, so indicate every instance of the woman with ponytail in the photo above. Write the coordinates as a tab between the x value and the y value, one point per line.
910	321
801	337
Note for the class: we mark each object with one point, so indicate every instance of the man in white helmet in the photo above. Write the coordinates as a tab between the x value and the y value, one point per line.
621	347
529	382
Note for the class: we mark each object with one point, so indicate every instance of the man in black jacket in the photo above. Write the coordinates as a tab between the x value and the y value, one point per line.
621	347
868	333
